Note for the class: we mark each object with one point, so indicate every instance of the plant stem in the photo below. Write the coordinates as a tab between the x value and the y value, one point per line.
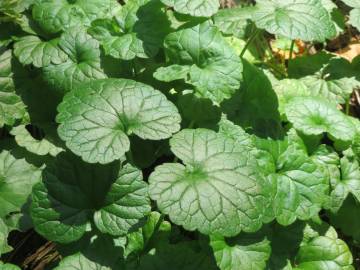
250	40
347	107
291	50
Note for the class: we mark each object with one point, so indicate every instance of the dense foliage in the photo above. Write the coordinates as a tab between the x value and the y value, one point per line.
163	134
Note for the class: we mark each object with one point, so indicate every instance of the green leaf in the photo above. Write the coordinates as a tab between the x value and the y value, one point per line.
100	254
200	111
39	147
151	235
11	106
83	62
344	218
138	30
32	50
198	8
301	185
215	69
337	90
243	252
97	118
255	106
233	21
54	16
215	187
172	73
180	256
307	20
324	252
4	231
9	266
286	89
349	182
73	193
308	246
355	18
308	65
17	178
314	116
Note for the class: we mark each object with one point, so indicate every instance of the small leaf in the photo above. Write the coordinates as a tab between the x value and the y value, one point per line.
172	73
138	30
198	8
12	107
233	21
39	147
4	231
307	20
314	116
349	181
83	62
17	178
32	50
215	69
243	252
214	188
97	118
100	254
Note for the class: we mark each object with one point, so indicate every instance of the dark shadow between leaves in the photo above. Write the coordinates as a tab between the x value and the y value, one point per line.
254	106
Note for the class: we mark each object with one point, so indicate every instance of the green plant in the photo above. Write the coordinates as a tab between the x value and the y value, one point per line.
165	134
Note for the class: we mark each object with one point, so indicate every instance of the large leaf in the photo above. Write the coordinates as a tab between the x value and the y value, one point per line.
97	118
138	30
74	192
243	252
199	8
54	16
11	105
307	19
32	50
83	62
314	116
9	266
17	178
213	66
216	191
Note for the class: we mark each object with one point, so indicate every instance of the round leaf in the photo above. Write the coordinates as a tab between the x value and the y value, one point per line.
314	116
307	20
198	8
216	192
96	119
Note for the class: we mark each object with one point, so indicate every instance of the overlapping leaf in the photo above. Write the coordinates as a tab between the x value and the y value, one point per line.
315	116
97	118
73	193
138	30
199	8
209	63
54	16
307	20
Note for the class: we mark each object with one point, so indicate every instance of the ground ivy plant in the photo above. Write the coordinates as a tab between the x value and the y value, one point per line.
163	134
